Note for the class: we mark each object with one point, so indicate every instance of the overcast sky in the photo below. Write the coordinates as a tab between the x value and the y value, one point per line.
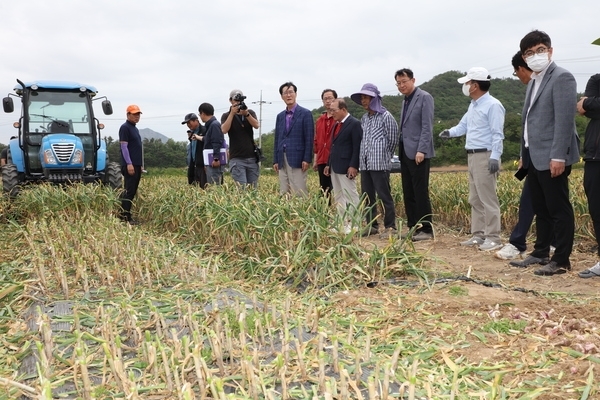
170	56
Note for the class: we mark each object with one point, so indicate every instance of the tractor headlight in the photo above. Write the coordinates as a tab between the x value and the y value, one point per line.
49	157
77	157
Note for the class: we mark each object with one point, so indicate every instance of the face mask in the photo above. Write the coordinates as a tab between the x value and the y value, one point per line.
538	62
465	90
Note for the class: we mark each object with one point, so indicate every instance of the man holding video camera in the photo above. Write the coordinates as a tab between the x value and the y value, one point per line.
239	123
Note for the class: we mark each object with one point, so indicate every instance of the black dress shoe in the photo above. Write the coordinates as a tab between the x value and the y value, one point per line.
369	231
552	268
530	260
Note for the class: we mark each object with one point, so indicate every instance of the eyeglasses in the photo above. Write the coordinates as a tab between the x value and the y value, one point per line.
288	92
539	50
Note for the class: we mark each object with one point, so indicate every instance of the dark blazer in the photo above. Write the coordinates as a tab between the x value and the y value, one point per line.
298	141
213	139
550	120
591	142
345	147
417	130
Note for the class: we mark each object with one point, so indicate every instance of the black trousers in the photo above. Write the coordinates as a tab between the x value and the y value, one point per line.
197	175
591	184
554	213
518	236
415	188
325	181
377	184
131	183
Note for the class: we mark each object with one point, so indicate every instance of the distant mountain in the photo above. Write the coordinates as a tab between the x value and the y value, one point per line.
148	133
450	103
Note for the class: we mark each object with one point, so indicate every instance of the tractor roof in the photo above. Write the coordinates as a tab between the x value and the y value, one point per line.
56	85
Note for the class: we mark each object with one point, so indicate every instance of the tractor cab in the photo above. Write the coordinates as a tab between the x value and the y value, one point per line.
59	137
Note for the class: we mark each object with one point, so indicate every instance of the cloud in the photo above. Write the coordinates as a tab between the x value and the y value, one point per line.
169	57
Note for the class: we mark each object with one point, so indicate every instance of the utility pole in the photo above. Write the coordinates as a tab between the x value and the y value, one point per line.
260	103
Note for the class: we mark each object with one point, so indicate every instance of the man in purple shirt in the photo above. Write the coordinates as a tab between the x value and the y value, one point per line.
293	148
131	160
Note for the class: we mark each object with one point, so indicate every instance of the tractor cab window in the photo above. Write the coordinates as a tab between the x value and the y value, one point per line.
58	112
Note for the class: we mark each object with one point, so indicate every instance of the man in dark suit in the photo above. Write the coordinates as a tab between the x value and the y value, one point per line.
294	135
195	162
213	140
589	105
549	147
416	149
343	164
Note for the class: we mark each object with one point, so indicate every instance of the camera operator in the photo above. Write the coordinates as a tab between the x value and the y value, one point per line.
195	163
239	122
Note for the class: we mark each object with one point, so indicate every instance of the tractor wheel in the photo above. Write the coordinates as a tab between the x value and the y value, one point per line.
113	176
11	180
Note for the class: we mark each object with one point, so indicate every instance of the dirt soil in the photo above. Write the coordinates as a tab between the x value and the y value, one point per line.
448	256
562	312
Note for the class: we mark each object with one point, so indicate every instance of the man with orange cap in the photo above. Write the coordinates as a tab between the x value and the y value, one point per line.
131	160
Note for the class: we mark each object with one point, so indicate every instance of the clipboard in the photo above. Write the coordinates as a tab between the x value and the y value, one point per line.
207	156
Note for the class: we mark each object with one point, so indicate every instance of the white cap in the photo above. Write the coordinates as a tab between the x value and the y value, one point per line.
475	74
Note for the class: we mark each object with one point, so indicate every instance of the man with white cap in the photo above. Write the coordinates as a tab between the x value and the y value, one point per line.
380	138
483	124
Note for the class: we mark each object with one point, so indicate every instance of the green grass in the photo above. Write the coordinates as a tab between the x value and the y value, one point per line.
458	291
141	325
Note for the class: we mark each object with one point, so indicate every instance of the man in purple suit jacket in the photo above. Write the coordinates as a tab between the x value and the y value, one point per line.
293	149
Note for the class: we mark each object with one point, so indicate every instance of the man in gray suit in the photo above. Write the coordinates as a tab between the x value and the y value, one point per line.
549	147
416	148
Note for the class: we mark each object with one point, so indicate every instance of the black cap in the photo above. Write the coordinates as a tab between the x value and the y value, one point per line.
189	117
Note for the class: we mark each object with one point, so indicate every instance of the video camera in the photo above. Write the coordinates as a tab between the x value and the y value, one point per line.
240	99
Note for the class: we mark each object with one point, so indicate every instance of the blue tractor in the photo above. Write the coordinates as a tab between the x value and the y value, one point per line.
59	137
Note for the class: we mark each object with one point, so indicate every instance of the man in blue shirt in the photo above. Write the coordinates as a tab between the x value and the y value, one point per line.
484	126
131	160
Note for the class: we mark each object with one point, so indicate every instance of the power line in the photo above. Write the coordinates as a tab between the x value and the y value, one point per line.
260	103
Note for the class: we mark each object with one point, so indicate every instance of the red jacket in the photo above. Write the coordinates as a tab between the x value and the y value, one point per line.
322	145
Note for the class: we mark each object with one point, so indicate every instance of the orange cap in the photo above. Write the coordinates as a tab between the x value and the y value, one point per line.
133	109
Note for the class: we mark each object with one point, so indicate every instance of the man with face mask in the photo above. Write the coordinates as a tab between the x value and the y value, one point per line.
549	147
484	126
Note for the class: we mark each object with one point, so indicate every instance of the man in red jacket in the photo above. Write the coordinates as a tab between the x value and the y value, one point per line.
322	144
